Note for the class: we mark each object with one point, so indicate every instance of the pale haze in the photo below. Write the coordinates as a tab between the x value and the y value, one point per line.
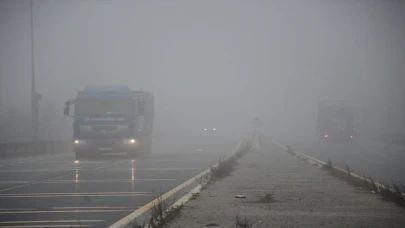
208	63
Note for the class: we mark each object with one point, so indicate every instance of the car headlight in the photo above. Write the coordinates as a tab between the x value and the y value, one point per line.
129	141
205	129
79	142
214	129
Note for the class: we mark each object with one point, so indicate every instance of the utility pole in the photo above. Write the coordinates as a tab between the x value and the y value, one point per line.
34	96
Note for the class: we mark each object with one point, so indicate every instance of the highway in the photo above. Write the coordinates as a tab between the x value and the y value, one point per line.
380	161
59	191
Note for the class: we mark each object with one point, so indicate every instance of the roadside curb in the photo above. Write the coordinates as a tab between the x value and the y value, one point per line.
130	219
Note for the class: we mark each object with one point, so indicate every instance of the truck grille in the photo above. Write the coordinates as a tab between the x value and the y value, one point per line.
105	143
104	128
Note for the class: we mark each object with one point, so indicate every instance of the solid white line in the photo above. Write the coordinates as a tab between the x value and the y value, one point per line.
46	226
92	194
36	170
70	193
14	182
66	211
104	181
84	181
113	207
51	221
59	196
65	208
166	169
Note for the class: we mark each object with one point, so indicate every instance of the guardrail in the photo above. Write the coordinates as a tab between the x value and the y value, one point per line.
34	148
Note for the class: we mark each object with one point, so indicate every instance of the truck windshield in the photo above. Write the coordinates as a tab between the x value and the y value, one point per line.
104	107
337	112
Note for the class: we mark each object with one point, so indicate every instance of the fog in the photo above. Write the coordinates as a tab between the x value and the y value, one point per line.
208	63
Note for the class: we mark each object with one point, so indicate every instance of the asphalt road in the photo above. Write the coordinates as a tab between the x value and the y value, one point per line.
59	191
377	160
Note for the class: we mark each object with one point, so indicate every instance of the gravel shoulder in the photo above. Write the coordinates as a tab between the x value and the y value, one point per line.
284	191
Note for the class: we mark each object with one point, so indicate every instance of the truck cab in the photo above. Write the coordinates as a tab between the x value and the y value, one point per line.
111	119
335	121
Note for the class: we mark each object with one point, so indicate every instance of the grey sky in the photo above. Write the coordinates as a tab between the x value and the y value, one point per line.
211	61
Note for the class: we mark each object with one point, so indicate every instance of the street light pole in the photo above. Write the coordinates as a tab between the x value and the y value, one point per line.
34	98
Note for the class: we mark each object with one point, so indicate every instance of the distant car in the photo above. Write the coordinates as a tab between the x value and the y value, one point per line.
210	129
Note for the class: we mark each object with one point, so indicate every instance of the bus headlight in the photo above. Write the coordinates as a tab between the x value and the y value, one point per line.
129	141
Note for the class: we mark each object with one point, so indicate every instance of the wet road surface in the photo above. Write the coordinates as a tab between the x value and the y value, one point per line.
59	191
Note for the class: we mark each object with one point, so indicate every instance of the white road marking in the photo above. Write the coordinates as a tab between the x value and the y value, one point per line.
51	221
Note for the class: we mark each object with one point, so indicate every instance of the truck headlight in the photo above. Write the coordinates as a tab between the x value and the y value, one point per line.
79	142
129	141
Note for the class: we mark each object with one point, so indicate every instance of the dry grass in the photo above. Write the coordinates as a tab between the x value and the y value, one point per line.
348	169
161	215
327	166
245	223
195	196
267	197
224	168
204	180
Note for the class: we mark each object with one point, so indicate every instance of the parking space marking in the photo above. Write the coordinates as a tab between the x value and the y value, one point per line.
68	194
57	169
55	209
167	169
105	181
67	175
79	168
14	182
